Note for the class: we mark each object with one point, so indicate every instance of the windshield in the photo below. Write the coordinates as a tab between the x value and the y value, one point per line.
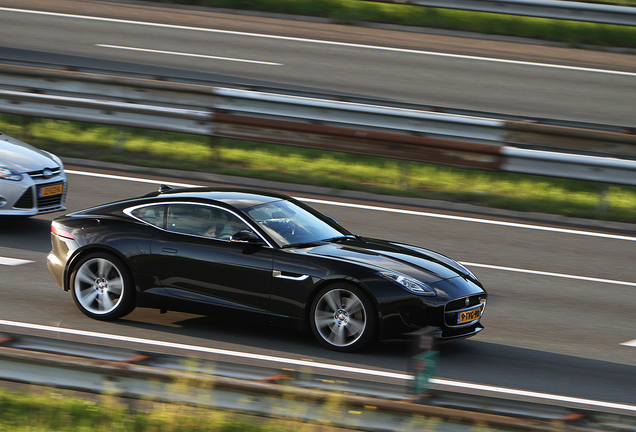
290	224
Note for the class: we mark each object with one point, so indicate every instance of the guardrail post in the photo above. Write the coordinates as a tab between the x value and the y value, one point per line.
603	190
26	131
423	363
215	149
404	174
120	139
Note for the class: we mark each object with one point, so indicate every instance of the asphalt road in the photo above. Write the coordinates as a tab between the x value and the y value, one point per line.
449	71
561	331
544	333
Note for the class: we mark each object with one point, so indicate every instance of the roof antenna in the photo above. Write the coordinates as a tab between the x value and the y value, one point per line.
165	188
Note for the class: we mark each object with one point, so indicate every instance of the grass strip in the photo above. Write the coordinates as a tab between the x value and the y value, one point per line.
63	411
340	171
353	11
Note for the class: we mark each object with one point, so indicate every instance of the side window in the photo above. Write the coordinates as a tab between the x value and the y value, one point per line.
151	214
227	225
203	221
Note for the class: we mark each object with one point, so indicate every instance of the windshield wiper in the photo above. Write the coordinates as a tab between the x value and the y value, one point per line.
320	242
302	245
344	237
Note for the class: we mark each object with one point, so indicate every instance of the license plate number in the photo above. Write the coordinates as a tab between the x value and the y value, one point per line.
468	316
51	190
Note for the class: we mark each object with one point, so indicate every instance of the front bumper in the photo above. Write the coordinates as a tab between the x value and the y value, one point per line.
32	195
412	314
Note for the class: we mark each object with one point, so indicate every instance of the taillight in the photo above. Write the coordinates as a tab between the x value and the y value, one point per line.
60	231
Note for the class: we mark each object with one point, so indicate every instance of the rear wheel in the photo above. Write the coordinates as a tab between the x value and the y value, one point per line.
342	318
102	287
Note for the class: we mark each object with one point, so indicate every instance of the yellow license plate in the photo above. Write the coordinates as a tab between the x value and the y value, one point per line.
51	190
468	316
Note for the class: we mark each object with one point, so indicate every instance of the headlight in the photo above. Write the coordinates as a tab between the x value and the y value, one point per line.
7	174
409	283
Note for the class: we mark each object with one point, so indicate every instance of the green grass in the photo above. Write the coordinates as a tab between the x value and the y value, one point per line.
62	411
352	11
153	149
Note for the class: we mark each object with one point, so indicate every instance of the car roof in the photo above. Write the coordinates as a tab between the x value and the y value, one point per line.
237	198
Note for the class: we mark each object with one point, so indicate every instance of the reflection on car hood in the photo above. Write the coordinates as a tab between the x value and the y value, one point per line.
422	264
21	157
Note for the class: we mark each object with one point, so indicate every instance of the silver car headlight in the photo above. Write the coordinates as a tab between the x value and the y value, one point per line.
7	174
409	283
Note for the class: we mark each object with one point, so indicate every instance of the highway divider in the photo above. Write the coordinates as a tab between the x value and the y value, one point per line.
551	9
584	152
268	388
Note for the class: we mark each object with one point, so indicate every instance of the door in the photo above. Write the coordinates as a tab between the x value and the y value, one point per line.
194	258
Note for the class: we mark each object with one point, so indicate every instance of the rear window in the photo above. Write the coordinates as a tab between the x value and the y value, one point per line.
154	215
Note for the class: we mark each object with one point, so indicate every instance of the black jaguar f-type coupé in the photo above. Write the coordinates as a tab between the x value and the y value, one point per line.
200	249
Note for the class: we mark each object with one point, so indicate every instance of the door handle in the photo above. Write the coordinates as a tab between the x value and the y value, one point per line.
170	250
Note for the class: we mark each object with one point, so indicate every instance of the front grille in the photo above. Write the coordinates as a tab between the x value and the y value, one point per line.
453	307
38	175
51	201
26	200
461	303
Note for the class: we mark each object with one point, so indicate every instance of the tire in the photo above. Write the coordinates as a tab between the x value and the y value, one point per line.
102	287
343	318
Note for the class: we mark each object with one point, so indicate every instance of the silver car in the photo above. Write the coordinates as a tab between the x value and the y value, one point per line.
32	181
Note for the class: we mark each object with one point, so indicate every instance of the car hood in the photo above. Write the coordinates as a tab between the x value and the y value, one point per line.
21	157
422	264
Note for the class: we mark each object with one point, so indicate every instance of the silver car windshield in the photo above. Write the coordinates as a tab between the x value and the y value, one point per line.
290	225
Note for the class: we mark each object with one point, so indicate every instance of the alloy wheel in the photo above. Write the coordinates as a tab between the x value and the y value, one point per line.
99	286
340	317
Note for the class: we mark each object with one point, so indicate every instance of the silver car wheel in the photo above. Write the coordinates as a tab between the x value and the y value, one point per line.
99	286
340	317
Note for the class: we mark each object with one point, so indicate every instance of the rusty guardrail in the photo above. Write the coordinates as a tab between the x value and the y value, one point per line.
270	389
593	153
552	9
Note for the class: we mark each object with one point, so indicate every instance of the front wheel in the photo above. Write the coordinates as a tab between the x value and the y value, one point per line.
102	287
342	318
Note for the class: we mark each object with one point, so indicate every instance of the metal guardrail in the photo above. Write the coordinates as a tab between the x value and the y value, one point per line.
364	128
270	389
553	9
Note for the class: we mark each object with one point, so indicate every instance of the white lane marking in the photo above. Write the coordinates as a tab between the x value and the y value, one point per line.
468	219
542	273
317	41
534	394
631	343
388	210
13	261
317	365
188	54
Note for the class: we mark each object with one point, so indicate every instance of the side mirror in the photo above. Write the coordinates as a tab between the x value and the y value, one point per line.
246	236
